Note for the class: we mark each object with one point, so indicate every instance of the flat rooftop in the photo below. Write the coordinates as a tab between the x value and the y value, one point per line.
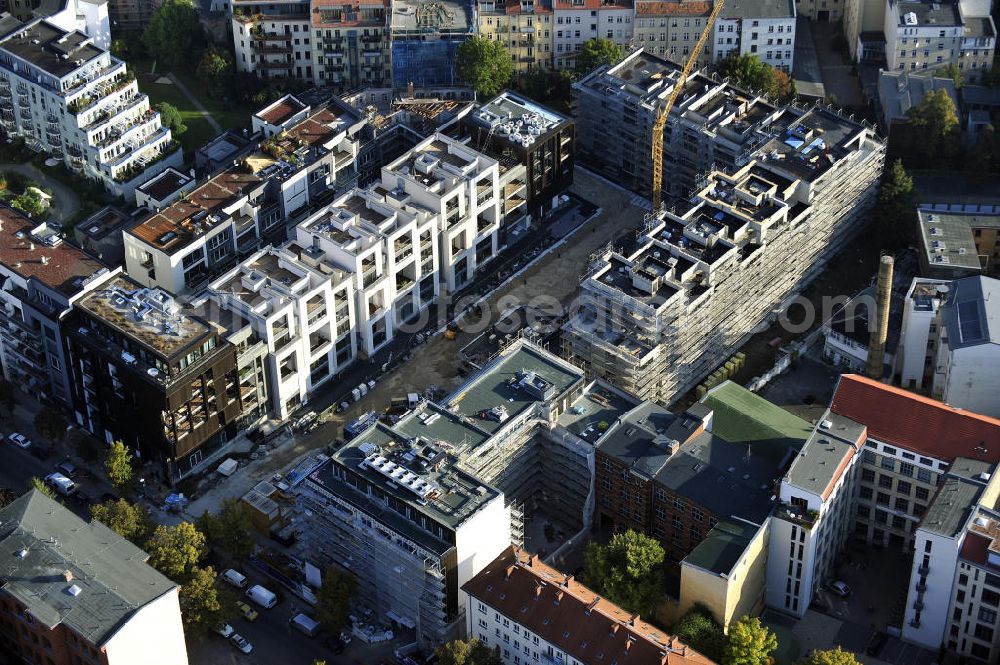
926	14
69	572
515	380
56	264
281	110
50	48
163	185
952	507
149	317
723	547
106	220
947	238
255	280
758	8
516	119
809	143
826	454
430	16
591	414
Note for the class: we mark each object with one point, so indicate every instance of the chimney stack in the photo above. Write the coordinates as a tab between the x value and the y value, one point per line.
880	320
567	580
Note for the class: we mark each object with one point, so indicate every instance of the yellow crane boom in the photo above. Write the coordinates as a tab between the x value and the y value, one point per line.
661	119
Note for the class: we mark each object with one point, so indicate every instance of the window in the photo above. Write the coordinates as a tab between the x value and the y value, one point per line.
903	487
885	481
922	493
902	504
868	475
983	632
888	450
888	463
679	504
924	475
906	469
865	493
989	616
882	498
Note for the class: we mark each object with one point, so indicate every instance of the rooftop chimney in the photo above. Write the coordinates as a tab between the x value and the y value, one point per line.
633	619
593	603
567	580
531	559
880	321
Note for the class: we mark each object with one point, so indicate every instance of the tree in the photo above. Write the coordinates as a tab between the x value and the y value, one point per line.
118	465
627	571
596	52
171	117
473	652
230	530
332	599
548	86
933	128
750	643
830	657
201	607
50	424
747	71
37	483
215	70
176	550
129	520
29	203
895	213
699	630
950	71
784	86
485	65
172	32
119	48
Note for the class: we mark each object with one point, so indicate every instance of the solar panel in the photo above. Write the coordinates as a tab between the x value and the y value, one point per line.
969	324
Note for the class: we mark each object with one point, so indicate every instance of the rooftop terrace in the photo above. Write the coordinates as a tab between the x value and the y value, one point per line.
50	48
418	16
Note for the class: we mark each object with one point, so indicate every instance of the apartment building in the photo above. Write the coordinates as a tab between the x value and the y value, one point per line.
954	591
100	234
148	373
68	97
273	39
524	27
298	312
861	18
425	37
927	35
677	476
671	29
513	443
131	14
87	16
162	190
308	155
530	612
958	244
42	276
388	254
823	10
576	21
712	124
950	344
459	186
657	318
811	522
350	44
536	151
76	592
764	28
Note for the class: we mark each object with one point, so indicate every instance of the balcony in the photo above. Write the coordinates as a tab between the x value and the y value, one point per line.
918	605
921	587
923	570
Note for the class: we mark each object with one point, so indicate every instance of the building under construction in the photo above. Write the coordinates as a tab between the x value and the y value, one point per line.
415	510
655	320
425	36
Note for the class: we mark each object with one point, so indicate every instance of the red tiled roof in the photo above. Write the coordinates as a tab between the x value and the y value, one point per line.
62	266
915	422
565	613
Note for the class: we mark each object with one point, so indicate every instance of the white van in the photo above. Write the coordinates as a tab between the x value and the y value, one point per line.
305	624
60	483
235	578
262	596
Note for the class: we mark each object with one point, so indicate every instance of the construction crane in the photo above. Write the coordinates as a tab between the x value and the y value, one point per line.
661	119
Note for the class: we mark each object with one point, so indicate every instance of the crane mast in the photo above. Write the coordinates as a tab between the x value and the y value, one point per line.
661	119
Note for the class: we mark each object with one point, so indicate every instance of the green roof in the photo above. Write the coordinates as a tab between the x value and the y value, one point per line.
40	540
723	547
741	416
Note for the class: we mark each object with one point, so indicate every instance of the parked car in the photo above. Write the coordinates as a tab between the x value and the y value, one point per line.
305	624
66	468
224	629
19	440
840	588
249	613
241	643
877	643
237	579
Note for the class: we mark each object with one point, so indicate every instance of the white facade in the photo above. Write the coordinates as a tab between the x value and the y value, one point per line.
154	635
575	22
72	99
302	314
275	46
772	39
935	557
461	188
920	316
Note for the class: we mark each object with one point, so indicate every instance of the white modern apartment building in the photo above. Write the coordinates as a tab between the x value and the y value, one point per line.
273	39
301	312
764	28
459	186
307	157
576	21
76	592
70	98
389	253
953	597
950	345
812	519
926	35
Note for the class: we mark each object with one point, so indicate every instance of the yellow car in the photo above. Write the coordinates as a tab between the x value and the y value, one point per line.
248	612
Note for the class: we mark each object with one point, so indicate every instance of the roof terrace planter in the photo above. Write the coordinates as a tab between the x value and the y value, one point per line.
78	106
135	169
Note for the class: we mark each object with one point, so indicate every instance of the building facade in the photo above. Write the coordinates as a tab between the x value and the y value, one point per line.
425	37
68	97
351	44
576	21
273	40
524	28
76	592
763	28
